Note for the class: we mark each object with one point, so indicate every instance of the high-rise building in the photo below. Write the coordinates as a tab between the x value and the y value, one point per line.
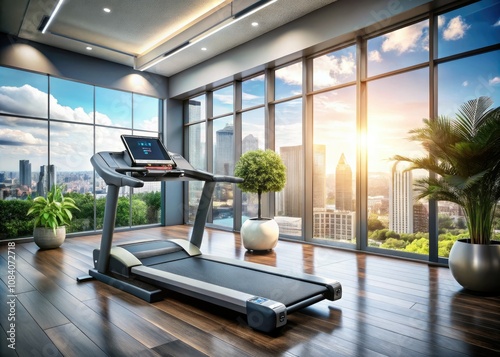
343	185
289	200
25	172
224	151
196	140
401	201
249	142
319	176
337	225
47	178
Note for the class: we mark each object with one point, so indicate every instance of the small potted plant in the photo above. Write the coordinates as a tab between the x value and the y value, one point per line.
52	214
262	171
464	154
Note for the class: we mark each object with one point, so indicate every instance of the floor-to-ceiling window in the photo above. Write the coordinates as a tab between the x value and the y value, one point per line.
312	112
49	129
334	146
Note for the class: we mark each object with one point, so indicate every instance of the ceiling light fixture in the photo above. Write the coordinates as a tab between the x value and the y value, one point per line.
88	48
252	9
106	9
52	16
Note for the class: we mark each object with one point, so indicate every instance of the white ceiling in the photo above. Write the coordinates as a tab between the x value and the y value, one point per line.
136	32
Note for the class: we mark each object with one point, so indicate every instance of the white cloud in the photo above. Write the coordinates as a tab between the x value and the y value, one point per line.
375	56
224	98
441	21
497	23
494	81
330	70
455	29
23	100
16	137
291	75
465	84
407	39
248	96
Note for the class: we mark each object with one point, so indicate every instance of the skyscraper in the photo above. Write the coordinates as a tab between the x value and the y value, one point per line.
319	176
289	200
343	185
224	151
47	178
25	172
249	142
401	201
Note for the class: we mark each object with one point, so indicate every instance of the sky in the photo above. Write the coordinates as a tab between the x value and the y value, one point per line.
395	104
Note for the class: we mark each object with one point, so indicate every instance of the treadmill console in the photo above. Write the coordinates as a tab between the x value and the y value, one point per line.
147	152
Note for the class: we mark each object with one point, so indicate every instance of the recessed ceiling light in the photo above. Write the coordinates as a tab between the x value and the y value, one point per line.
255	24
203	48
88	48
106	9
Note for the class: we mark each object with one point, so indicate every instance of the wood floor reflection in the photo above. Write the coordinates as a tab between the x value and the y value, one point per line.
389	307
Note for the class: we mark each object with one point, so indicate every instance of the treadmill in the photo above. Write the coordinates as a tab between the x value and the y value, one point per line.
265	294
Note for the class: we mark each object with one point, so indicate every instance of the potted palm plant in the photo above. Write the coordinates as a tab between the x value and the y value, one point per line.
262	171
464	155
52	214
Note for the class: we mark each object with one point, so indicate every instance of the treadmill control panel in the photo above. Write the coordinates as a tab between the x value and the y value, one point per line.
264	314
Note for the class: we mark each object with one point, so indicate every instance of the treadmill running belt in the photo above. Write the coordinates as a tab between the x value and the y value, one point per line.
278	288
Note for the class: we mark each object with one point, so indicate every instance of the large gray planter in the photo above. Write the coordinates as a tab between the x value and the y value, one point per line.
45	238
476	266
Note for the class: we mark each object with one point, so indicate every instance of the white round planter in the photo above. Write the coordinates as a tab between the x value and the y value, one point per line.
45	238
259	234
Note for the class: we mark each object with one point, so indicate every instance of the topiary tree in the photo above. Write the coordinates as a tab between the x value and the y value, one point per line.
262	171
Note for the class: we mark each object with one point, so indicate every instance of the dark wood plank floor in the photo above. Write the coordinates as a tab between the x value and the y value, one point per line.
390	307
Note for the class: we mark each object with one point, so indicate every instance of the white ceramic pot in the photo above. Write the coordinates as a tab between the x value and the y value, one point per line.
259	234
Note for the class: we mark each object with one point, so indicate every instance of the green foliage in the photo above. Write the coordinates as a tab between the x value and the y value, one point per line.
262	171
374	223
53	211
393	243
420	246
464	153
14	222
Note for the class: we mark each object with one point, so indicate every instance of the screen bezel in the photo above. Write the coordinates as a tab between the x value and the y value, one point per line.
141	162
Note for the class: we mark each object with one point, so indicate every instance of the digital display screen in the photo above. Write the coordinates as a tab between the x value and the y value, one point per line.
146	150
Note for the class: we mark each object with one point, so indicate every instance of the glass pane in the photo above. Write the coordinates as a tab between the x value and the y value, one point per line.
71	146
289	202
399	49
23	93
288	81
198	158
222	206
23	152
253	134
253	92
396	220
197	109
108	139
146	112
113	108
334	68
71	101
146	204
468	78
334	169
468	28
458	82
223	101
